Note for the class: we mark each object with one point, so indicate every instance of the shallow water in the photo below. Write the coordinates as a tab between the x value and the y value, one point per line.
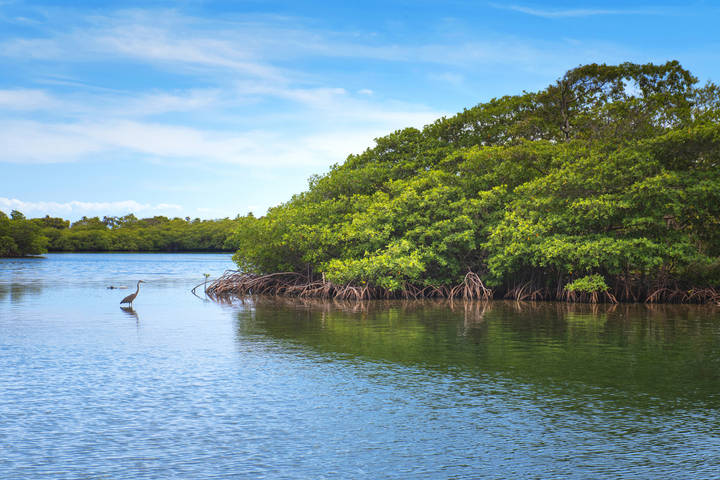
185	388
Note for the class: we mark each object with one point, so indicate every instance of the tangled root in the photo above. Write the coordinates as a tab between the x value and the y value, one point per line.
241	284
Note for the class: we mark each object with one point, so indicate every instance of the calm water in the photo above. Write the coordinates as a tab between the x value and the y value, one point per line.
186	388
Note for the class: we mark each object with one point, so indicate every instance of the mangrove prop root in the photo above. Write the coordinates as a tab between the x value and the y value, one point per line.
241	284
290	284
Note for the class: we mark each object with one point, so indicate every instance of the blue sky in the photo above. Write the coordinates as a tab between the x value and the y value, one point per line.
213	109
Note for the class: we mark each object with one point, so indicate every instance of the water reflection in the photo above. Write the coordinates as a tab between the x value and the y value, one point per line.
17	292
670	351
129	311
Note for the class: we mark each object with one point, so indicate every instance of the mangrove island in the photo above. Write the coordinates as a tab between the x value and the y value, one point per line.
605	186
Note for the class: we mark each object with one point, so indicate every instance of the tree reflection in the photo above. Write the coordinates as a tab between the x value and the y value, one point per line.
669	350
16	292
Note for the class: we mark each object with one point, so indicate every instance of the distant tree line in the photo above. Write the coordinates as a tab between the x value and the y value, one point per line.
603	186
20	236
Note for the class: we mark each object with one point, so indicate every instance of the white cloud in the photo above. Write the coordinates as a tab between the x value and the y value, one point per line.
255	47
157	44
36	142
88	102
365	91
129	105
330	141
158	37
77	208
164	102
575	12
26	99
321	126
321	97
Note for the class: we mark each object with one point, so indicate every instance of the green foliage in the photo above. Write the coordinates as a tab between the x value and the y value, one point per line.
20	236
588	284
387	268
8	247
612	172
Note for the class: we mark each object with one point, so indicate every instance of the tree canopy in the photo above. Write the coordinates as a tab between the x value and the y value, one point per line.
604	185
20	236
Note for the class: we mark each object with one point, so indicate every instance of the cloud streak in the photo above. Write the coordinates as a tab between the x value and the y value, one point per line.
75	208
257	48
142	37
101	127
24	99
57	143
574	12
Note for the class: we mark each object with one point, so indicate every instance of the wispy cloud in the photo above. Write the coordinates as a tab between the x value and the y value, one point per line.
73	208
26	99
311	123
88	102
67	142
101	127
165	39
37	142
575	12
260	49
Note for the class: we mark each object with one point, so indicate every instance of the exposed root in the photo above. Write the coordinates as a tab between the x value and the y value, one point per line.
472	288
704	295
592	297
526	291
238	284
667	295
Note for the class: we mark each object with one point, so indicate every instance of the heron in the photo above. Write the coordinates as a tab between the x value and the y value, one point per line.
129	299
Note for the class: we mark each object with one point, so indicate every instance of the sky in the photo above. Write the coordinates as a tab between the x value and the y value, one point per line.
213	109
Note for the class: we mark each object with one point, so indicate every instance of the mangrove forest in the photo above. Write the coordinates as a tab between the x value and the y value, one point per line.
604	186
21	236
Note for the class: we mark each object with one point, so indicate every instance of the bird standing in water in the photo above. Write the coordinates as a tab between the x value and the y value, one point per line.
129	299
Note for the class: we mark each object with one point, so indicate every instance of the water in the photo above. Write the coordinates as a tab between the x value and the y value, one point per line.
185	388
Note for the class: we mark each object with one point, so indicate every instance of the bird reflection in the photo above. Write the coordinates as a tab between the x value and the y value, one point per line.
131	312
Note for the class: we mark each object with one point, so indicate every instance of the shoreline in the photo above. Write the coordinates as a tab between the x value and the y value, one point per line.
236	284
